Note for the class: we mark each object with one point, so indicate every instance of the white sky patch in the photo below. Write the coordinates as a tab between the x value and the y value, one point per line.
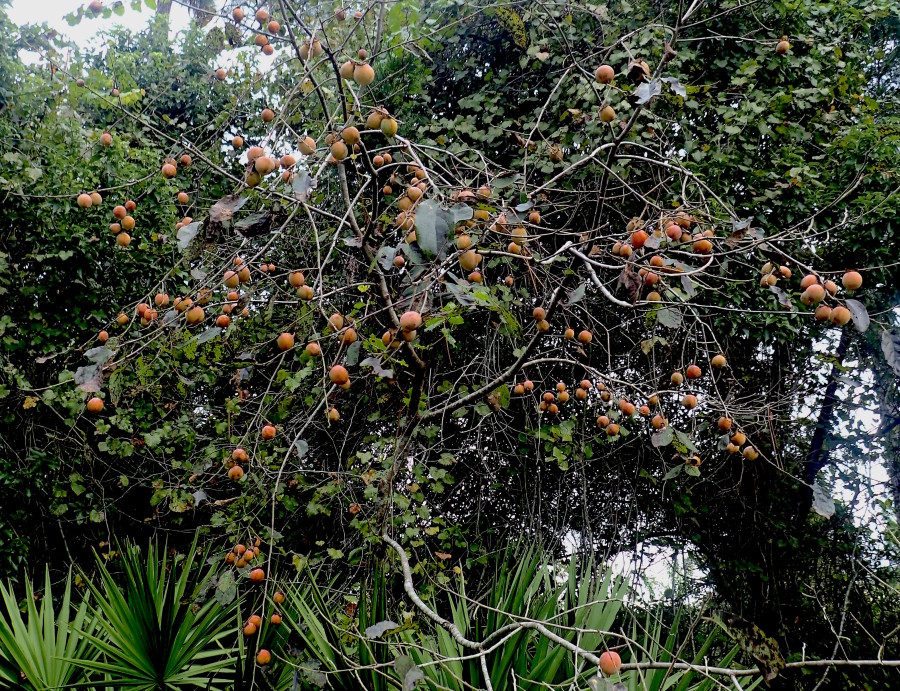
88	32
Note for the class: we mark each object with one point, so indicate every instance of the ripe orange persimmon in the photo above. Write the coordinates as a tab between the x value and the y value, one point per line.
95	405
235	473
339	375
610	662
268	432
263	657
286	341
852	280
604	74
410	320
627	407
839	316
194	315
257	575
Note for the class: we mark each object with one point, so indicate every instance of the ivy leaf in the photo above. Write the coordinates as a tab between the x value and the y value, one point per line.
858	314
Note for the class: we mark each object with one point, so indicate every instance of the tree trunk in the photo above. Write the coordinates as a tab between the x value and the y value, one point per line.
817	458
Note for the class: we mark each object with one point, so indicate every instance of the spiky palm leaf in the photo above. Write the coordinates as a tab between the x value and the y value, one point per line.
39	651
153	633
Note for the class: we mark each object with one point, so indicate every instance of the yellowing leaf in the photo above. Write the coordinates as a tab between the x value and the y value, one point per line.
30	402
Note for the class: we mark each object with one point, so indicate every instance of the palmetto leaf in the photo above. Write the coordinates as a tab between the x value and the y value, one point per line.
152	631
42	646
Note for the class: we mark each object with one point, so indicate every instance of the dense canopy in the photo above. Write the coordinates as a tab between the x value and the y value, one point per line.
509	290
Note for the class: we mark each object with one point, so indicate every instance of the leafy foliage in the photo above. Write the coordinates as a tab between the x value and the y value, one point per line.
152	631
538	223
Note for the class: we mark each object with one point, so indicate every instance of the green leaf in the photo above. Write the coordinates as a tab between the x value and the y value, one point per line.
670	317
432	227
381	628
662	438
673	472
353	353
187	233
226	590
577	295
686	441
858	314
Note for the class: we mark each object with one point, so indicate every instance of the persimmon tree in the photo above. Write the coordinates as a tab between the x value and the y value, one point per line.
431	274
